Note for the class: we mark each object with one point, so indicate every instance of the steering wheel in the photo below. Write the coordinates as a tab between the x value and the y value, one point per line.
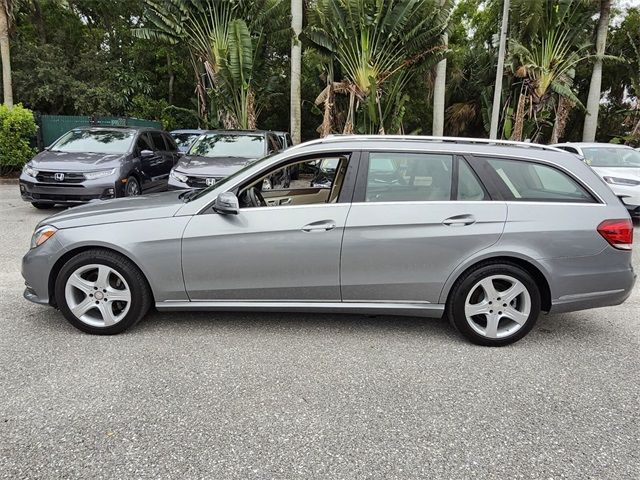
255	198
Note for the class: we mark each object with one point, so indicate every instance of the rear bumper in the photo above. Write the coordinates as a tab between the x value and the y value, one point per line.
71	194
581	283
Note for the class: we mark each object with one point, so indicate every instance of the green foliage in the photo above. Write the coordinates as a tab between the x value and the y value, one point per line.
17	129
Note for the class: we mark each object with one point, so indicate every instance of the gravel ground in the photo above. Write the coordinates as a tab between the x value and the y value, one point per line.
246	396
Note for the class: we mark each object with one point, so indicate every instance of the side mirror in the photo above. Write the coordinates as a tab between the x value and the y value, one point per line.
146	153
227	204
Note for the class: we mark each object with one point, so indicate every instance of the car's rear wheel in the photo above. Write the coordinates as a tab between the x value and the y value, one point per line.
495	304
42	205
102	292
132	188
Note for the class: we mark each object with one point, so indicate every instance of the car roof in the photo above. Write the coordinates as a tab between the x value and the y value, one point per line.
131	128
482	146
592	145
188	130
239	132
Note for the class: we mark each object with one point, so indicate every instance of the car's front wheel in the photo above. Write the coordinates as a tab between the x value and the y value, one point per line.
495	304
132	187
102	292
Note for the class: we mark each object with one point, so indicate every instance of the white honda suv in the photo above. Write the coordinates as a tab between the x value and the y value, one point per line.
618	165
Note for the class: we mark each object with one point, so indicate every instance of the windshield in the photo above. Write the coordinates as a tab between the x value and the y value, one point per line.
611	157
228	145
184	139
94	141
224	181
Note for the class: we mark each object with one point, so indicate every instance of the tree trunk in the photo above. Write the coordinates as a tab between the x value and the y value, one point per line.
518	124
439	89
327	117
5	56
497	92
172	78
296	67
39	21
593	100
562	114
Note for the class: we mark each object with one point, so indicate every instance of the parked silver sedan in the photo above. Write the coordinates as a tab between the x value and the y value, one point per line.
487	233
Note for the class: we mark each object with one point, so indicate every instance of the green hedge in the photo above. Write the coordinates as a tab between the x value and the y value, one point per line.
17	128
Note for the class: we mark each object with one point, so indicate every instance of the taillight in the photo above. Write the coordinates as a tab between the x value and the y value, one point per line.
619	233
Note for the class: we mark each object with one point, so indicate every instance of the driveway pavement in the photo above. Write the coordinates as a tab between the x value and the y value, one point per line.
304	396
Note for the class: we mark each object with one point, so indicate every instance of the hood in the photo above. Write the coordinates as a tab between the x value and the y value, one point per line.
74	162
147	207
211	166
623	172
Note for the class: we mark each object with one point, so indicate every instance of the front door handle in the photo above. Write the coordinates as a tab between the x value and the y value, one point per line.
459	221
321	226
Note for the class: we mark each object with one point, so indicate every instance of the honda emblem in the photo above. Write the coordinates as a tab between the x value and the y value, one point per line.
210	182
59	177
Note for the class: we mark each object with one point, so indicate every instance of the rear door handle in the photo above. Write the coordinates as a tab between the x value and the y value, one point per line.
321	226
459	221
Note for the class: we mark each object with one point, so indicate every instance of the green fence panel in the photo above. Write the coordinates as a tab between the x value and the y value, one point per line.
54	126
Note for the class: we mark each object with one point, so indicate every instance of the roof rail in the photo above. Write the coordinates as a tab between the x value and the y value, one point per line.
465	140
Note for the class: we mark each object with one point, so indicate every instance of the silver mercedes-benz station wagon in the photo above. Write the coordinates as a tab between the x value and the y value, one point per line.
488	233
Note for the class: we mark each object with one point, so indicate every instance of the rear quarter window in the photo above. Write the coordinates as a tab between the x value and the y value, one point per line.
535	182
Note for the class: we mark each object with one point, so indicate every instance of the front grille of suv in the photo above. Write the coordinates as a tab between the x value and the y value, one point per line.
200	182
69	177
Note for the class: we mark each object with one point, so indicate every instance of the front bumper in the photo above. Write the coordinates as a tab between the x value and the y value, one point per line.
31	190
36	270
629	196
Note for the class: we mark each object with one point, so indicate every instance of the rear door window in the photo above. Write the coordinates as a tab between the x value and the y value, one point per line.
530	181
469	187
409	177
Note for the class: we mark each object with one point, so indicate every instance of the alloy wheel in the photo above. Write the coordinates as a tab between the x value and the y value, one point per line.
497	306
98	295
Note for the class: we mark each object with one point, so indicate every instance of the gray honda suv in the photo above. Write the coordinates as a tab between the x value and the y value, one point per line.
97	163
487	233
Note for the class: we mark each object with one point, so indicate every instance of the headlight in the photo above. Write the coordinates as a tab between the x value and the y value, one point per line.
99	174
179	176
29	170
42	234
621	181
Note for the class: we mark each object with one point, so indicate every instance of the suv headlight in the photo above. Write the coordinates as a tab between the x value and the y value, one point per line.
179	176
29	170
99	174
42	234
621	181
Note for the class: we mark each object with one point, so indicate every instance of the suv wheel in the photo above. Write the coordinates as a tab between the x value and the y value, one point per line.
495	304
102	292
132	188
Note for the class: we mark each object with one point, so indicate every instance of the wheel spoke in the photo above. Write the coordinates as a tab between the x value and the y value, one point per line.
81	284
512	292
103	276
107	314
518	317
83	307
114	295
476	309
491	330
488	287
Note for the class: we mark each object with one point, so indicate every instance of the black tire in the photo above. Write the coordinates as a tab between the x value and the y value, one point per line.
455	307
132	187
141	296
43	206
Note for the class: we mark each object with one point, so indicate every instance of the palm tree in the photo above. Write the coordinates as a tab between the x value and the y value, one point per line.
296	67
439	88
377	45
225	39
593	100
547	66
5	55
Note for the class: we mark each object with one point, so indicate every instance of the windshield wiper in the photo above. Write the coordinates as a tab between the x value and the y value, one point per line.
186	195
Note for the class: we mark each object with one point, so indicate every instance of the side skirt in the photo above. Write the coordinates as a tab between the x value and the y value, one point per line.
431	310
